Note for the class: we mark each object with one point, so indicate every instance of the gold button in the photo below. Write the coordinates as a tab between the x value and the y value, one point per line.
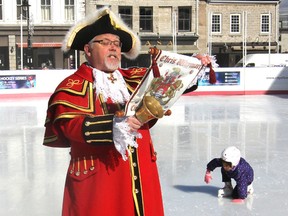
135	178
87	123
87	133
134	164
136	191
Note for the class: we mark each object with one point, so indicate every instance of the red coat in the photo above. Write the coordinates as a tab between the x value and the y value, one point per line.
98	181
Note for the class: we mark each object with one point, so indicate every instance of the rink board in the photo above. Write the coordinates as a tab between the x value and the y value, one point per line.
233	81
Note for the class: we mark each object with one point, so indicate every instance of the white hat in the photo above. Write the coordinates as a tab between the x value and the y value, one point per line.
231	154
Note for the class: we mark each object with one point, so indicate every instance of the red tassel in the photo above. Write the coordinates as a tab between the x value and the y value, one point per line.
155	68
154	51
212	75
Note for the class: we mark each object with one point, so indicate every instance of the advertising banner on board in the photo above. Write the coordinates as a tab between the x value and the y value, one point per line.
17	81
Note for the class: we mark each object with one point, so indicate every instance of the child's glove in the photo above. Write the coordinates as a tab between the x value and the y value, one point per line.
208	177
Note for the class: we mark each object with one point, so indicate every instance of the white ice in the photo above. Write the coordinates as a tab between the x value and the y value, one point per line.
32	176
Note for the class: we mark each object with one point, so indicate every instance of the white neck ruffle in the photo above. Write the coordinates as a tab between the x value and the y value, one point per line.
116	91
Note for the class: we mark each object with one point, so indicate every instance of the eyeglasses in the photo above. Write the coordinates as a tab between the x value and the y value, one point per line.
106	42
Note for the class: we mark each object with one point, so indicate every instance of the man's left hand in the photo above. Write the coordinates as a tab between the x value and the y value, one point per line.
205	59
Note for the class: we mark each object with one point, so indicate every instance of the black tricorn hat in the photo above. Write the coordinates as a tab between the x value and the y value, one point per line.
101	22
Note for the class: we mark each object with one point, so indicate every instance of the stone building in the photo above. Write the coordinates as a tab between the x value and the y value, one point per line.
235	28
32	31
167	24
283	27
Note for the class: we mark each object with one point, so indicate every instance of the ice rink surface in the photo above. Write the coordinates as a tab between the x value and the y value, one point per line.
32	176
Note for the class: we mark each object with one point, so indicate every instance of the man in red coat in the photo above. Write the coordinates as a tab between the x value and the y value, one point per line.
113	169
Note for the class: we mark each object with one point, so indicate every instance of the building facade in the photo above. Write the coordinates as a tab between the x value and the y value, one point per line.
283	26
32	31
167	24
236	28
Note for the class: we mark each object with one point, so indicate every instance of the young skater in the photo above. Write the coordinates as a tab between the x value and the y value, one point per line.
233	166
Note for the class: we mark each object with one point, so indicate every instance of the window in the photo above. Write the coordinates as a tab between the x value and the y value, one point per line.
234	23
126	14
184	19
69	10
283	22
20	9
265	23
216	23
146	19
46	10
1	8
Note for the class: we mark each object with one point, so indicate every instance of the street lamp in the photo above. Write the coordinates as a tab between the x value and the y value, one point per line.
25	6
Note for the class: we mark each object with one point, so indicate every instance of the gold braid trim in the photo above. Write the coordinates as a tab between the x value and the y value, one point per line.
87	89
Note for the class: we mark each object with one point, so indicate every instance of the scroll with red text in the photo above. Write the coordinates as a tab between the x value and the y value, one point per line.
169	75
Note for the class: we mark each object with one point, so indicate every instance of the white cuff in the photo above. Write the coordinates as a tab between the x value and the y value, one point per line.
123	137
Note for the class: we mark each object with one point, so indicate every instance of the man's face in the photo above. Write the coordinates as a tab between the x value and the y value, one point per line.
104	52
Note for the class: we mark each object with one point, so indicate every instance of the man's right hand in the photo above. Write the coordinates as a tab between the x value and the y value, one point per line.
133	123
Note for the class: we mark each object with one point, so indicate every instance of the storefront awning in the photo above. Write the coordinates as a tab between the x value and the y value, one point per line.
39	45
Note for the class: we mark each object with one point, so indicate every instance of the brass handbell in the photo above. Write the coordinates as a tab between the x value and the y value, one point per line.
149	109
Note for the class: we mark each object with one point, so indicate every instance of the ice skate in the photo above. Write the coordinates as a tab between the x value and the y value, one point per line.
250	189
226	190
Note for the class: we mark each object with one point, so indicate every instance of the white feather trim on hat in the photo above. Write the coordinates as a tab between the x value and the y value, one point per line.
131	52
